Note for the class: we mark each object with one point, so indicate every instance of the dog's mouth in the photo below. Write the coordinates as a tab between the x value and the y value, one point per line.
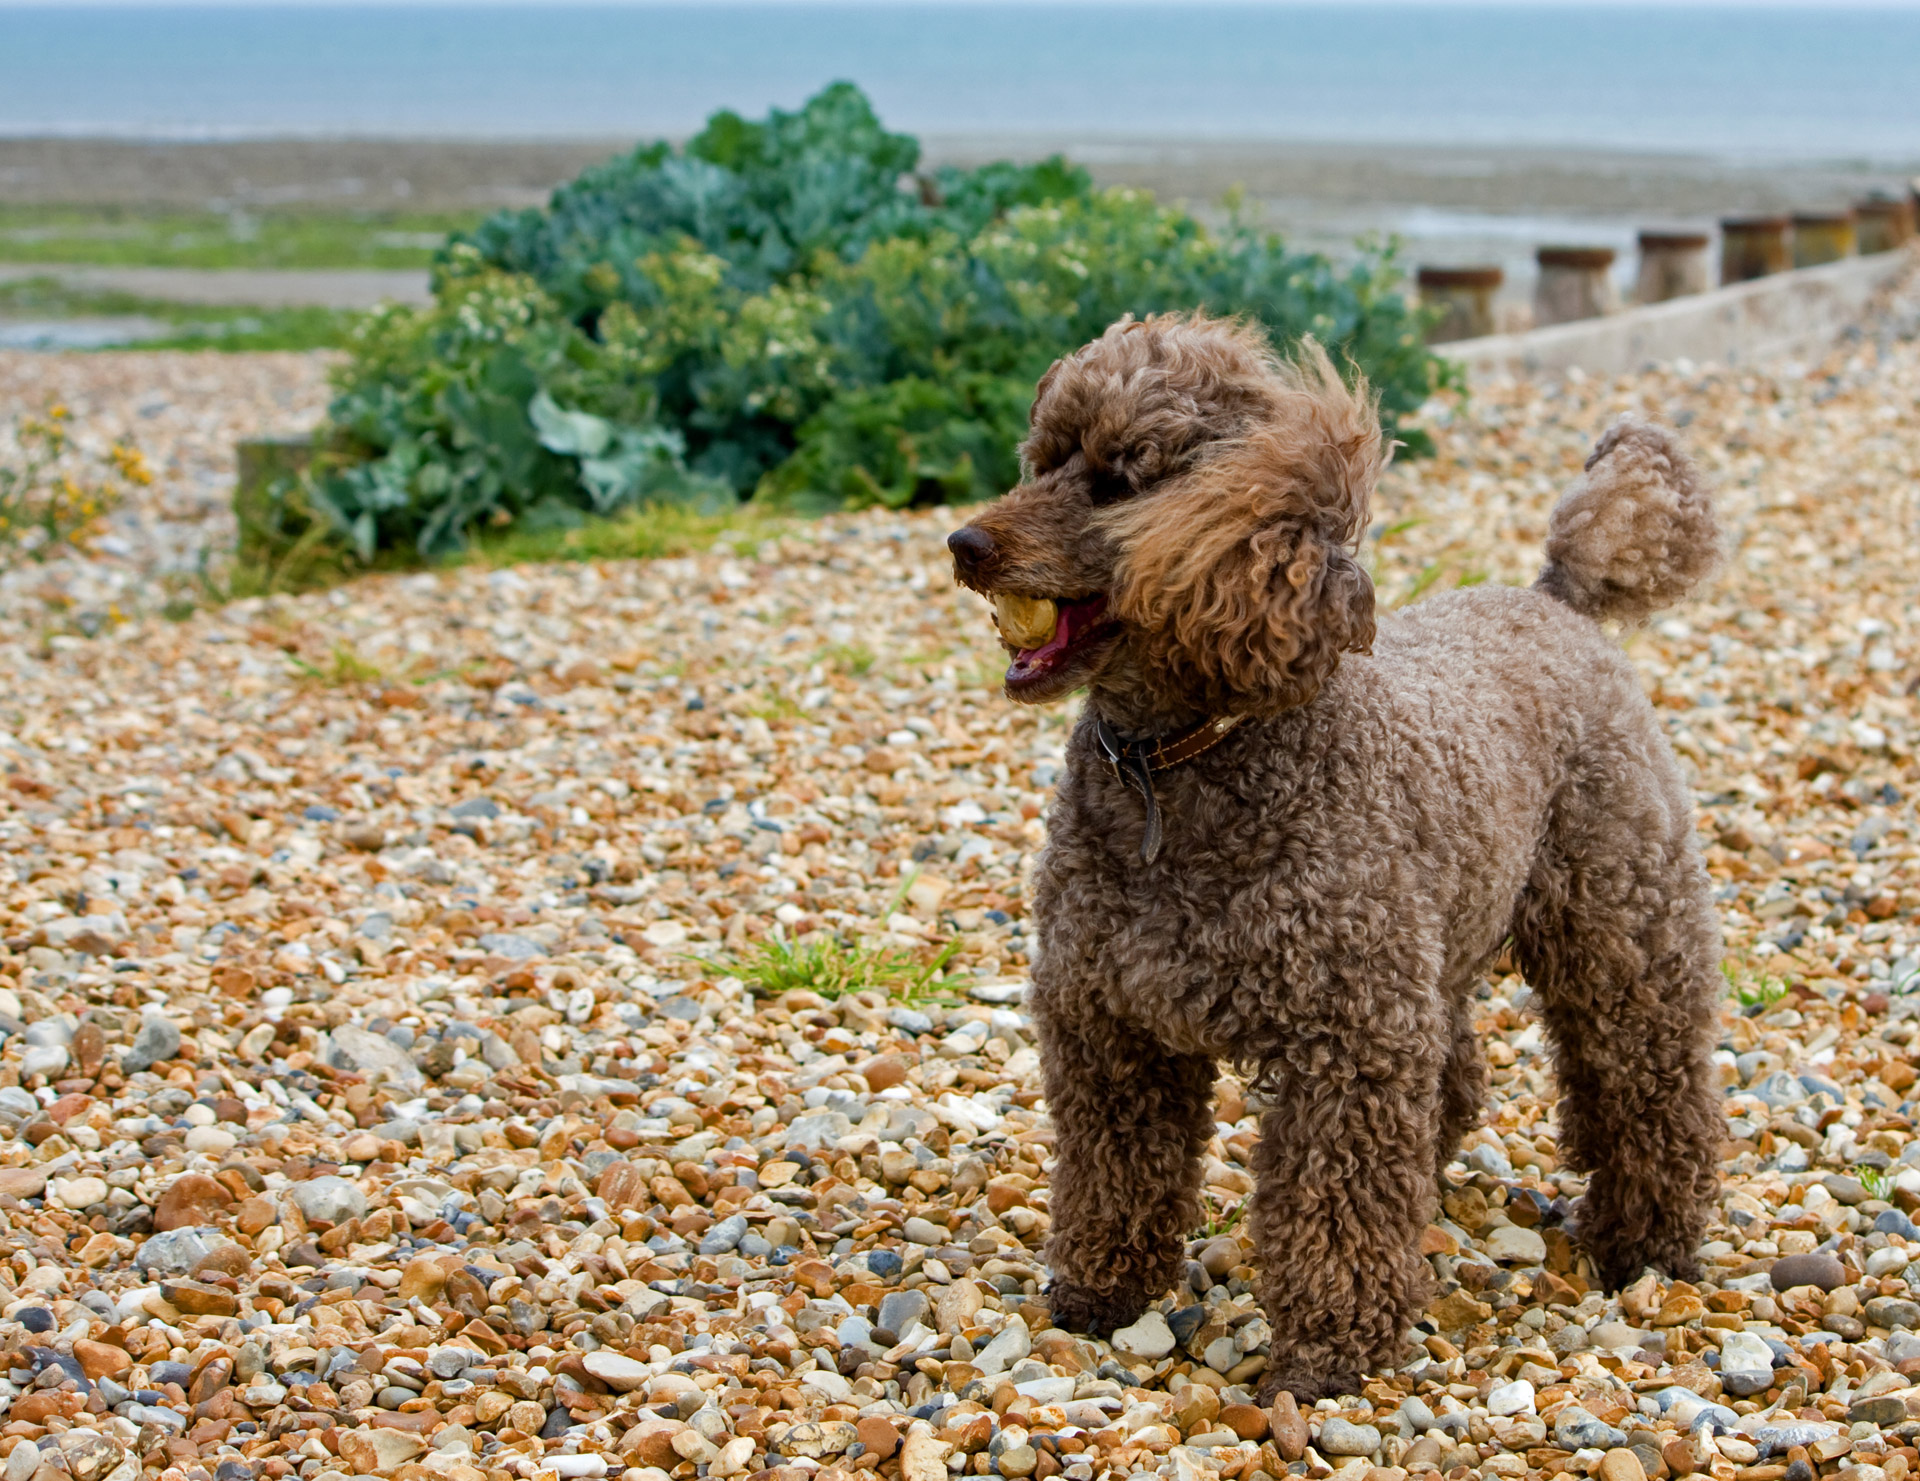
1049	638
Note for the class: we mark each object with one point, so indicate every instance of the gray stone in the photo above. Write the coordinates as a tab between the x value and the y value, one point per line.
513	948
1343	1437
1009	1345
899	1310
1489	1160
724	1236
1780	1091
1150	1338
334	1200
1902	1347
1892	1221
909	1020
1616	1336
363	1052
1575	1429
1882	1410
158	1039
1746	1364
1778	1439
46	1031
48	1060
475	807
451	1362
1844	1188
818	1129
1416	1416
177	1251
1893	1311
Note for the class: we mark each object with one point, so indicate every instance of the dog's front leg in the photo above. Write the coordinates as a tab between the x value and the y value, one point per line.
1343	1186
1131	1119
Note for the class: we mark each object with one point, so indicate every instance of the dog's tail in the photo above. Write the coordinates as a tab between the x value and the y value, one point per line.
1636	533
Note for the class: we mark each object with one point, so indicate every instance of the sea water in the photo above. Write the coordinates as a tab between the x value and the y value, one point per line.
1743	81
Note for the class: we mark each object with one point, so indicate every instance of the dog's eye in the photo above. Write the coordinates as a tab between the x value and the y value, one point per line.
1108	486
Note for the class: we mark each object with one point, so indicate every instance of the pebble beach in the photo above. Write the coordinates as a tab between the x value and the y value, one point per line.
396	1080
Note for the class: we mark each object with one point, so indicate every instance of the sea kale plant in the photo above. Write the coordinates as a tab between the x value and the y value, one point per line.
787	310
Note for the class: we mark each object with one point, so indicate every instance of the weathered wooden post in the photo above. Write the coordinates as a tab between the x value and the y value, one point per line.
1673	264
1882	223
1574	283
1822	236
1753	247
1465	297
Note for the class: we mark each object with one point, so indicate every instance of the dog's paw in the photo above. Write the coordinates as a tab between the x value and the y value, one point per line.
1096	1313
1308	1388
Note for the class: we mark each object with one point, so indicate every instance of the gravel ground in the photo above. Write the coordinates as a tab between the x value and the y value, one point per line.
385	1097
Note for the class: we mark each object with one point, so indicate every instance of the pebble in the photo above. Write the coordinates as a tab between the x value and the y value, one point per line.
1148	1338
1620	1464
1511	1398
1746	1364
1343	1437
1823	1271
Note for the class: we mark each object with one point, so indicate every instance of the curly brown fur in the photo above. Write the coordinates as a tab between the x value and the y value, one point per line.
1338	871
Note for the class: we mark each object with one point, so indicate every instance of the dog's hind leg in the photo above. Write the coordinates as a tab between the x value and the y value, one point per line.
1344	1184
1463	1086
1131	1119
1617	935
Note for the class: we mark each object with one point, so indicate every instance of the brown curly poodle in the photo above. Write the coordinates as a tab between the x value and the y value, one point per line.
1292	838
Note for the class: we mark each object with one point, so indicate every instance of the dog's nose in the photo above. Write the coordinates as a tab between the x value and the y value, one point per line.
971	547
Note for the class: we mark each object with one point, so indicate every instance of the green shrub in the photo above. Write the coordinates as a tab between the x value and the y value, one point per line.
784	308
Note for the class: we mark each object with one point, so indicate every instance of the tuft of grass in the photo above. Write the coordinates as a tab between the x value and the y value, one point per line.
1757	990
344	668
1876	1180
855	659
644	533
1224	1221
833	968
780	709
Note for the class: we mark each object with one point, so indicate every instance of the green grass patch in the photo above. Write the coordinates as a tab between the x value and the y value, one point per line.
648	532
344	668
194	326
833	968
284	549
854	659
1753	990
1876	1180
128	236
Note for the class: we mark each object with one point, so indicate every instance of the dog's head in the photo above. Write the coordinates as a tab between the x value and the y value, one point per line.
1183	542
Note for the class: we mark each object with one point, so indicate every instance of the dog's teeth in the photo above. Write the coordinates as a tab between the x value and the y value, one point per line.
1027	621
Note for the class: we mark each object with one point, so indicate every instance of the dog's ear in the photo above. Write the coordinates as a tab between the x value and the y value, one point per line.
1239	577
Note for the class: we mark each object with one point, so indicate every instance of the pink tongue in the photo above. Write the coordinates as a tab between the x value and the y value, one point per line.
1062	635
1074	617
